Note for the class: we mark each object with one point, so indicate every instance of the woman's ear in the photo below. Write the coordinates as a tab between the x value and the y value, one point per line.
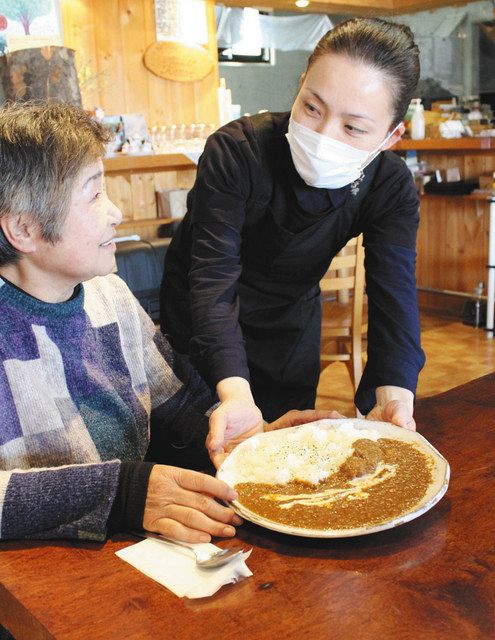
396	136
20	231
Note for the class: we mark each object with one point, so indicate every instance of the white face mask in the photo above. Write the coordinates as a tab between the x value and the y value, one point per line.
324	162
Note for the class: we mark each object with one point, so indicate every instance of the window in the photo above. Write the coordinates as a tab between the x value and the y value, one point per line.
249	48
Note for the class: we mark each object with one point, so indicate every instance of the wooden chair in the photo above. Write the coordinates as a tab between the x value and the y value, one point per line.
344	321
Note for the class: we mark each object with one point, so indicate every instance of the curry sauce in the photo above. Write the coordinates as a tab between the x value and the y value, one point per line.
378	482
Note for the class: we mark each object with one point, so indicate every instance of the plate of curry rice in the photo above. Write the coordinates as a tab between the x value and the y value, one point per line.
335	478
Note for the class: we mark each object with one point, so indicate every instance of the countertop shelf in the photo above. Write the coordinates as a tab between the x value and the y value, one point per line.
444	144
477	195
146	163
145	222
170	161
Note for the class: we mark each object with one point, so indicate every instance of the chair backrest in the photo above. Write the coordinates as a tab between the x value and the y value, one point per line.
345	268
346	274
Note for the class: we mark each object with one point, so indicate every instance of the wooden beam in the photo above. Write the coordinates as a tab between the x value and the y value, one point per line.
412	6
352	7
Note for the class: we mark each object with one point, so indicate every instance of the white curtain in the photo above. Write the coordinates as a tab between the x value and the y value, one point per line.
292	33
289	33
229	26
438	23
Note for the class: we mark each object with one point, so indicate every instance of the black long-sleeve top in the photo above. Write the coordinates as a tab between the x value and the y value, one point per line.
231	257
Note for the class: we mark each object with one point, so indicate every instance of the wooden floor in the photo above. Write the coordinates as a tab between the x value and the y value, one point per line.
455	354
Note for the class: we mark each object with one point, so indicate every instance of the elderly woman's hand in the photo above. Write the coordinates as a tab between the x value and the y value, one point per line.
181	505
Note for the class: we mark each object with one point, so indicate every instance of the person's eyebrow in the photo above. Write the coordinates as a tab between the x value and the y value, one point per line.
359	116
95	176
349	115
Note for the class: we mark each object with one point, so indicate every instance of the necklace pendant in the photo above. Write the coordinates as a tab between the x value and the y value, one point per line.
355	184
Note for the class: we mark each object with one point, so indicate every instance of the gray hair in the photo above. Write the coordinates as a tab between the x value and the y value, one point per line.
43	147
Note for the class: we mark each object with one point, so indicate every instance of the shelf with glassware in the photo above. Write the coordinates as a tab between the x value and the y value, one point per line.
454	230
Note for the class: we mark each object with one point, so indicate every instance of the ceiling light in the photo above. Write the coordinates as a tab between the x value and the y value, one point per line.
302	3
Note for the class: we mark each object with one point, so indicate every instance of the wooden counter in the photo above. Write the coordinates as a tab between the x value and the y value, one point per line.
432	578
453	230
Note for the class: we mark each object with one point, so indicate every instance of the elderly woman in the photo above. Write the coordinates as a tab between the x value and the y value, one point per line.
83	372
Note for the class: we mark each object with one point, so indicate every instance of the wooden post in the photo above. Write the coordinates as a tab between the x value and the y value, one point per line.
40	73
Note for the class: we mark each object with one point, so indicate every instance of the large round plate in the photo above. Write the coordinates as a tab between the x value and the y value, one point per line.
229	473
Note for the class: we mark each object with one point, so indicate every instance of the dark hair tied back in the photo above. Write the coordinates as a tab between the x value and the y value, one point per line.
386	46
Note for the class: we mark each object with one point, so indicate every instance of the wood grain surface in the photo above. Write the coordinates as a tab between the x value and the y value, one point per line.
110	38
351	7
452	245
432	578
445	144
131	182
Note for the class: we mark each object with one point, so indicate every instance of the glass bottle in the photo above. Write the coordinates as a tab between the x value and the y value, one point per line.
417	120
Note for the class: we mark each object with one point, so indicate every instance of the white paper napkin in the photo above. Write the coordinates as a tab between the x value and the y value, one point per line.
176	569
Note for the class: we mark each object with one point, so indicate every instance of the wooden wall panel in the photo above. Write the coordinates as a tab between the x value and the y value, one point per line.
79	33
175	179
452	243
143	196
135	39
109	58
134	192
110	37
452	250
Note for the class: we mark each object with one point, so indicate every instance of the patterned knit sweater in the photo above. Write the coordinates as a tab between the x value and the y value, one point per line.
80	383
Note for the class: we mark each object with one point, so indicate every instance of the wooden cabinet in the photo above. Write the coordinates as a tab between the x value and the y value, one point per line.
453	230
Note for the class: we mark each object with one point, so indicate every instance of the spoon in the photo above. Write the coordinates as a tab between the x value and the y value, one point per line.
209	560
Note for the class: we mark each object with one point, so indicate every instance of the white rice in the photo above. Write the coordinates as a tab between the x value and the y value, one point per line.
309	453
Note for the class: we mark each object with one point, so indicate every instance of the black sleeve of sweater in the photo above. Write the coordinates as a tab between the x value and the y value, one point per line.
128	507
395	356
223	185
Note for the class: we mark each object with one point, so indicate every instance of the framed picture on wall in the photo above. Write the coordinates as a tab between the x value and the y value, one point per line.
25	24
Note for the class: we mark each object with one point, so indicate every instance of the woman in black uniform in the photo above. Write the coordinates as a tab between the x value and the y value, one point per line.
277	195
